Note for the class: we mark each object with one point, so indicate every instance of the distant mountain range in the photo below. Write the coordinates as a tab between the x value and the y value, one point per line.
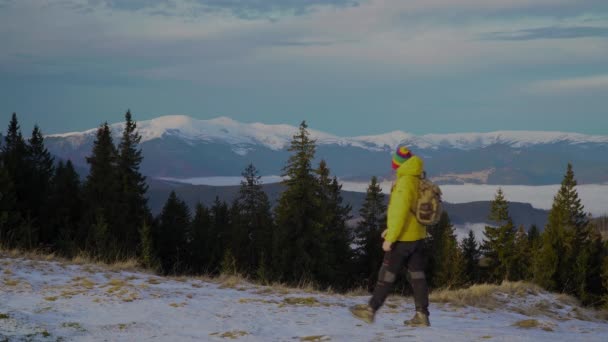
179	146
460	214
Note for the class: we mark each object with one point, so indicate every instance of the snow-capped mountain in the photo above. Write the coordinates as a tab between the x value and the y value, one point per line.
181	146
277	137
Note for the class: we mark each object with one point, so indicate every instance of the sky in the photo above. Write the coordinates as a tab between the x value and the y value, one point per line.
347	67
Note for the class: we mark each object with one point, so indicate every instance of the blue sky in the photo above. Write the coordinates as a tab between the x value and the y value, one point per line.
348	67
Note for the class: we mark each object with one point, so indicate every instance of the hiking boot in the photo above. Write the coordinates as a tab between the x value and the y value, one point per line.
363	312
419	320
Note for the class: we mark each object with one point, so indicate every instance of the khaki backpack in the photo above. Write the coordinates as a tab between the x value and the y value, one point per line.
428	206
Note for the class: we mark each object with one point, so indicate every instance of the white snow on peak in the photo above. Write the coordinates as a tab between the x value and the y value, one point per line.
277	137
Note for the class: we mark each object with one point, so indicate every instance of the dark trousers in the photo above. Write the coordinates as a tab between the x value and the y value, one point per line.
413	255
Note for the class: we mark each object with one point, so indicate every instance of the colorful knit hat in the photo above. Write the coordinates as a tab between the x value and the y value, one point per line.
401	155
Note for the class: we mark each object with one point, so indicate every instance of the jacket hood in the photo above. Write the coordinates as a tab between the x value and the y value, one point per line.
411	167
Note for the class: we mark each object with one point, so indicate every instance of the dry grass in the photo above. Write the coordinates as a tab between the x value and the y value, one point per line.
11	282
233	335
484	295
80	259
532	323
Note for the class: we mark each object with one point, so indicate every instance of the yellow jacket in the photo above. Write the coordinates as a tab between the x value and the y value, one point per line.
401	222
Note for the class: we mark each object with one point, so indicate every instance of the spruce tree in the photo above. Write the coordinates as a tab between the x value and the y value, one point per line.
334	260
522	255
15	162
200	240
498	245
148	255
470	256
101	194
8	217
171	243
133	187
65	208
447	263
219	235
253	223
604	276
368	232
534	239
296	240
562	261
42	169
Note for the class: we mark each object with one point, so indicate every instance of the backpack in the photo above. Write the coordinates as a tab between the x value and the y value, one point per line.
428	208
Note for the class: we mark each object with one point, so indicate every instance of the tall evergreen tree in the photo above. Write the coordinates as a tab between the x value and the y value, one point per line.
101	194
133	187
255	225
200	240
65	208
296	241
15	162
219	235
446	260
604	275
7	207
522	255
42	169
171	244
470	256
534	239
498	245
564	240
148	253
368	232
334	260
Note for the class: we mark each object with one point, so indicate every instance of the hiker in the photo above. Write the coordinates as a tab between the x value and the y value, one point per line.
403	242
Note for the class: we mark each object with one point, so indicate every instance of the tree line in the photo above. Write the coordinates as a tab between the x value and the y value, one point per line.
304	239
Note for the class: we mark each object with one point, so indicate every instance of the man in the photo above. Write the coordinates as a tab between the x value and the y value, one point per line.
403	242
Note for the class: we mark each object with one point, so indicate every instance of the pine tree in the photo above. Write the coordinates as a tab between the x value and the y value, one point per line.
521	256
200	241
446	260
219	235
368	232
498	245
133	187
15	162
604	275
470	256
8	215
65	206
253	222
171	245
296	240
534	239
334	260
561	263
101	193
148	253
42	169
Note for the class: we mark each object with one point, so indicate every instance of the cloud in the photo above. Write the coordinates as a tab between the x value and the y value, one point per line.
244	9
549	33
565	85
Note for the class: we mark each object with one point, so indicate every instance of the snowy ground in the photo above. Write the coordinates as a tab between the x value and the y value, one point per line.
55	301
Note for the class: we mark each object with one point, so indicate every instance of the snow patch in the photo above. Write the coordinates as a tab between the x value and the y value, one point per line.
57	301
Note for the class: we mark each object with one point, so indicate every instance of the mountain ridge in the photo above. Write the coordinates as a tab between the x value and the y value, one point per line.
179	146
277	136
